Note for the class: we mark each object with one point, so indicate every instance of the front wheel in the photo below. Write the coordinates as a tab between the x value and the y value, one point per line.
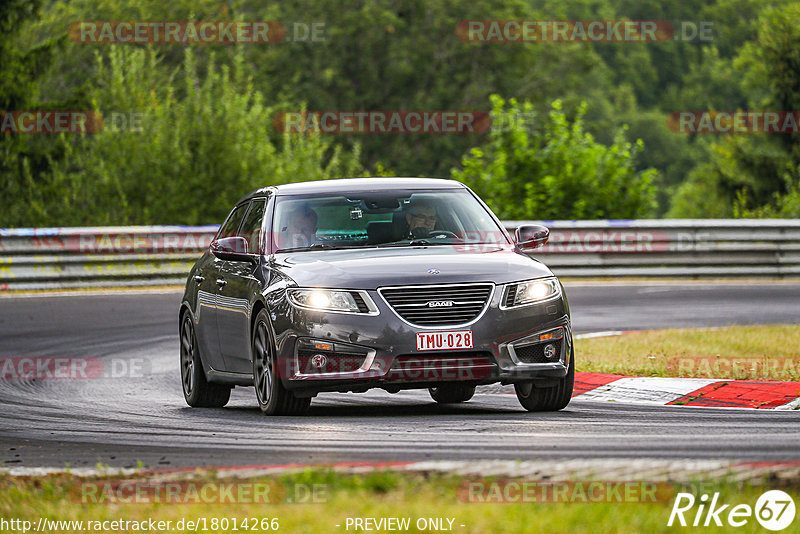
549	399
452	393
273	398
198	391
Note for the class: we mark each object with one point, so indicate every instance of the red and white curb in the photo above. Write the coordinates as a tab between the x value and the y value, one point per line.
706	392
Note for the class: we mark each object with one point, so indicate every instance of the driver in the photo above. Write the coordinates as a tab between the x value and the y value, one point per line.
301	230
421	219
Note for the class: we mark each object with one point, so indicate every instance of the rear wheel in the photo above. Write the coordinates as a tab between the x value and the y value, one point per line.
452	393
198	391
273	398
549	399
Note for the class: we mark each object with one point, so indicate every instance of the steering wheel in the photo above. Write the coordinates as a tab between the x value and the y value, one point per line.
442	233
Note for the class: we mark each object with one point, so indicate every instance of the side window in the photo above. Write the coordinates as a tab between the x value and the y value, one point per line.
234	220
251	229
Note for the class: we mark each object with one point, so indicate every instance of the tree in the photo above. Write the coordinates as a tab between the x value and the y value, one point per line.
22	158
555	170
199	142
749	174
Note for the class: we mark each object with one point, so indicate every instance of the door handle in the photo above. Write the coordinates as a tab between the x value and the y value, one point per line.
199	279
221	282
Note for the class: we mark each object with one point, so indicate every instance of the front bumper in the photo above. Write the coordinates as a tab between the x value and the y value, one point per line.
323	351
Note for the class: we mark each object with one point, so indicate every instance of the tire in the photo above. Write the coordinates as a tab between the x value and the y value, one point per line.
273	398
452	393
198	392
549	399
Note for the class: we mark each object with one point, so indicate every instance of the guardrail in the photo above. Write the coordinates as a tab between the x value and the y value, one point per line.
693	248
42	258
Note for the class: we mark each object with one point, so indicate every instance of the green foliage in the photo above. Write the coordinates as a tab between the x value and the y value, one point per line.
556	170
387	55
783	206
207	112
22	158
191	158
755	175
700	196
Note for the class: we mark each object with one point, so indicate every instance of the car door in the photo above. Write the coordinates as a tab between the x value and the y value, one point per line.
206	277
236	290
206	310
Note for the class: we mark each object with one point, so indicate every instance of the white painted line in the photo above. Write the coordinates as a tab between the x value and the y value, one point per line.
794	405
605	333
77	471
646	390
132	290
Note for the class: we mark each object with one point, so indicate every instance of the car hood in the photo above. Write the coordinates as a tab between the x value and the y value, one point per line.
377	267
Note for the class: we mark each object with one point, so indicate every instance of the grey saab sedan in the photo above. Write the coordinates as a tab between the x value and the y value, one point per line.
392	283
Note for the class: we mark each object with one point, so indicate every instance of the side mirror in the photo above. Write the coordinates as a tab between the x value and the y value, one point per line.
531	236
231	249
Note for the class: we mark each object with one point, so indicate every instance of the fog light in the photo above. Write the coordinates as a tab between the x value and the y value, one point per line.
549	351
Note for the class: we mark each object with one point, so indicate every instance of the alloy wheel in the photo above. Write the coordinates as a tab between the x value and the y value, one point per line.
264	364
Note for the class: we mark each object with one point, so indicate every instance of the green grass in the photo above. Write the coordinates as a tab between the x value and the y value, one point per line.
376	494
739	352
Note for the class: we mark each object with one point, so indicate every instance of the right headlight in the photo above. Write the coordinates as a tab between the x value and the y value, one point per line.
531	291
334	300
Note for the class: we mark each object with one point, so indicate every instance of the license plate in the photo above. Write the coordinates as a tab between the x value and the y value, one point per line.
457	339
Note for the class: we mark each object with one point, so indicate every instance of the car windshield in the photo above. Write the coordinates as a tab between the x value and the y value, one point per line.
382	219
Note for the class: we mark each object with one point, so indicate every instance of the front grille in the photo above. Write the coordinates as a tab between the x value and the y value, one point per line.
467	365
535	353
457	304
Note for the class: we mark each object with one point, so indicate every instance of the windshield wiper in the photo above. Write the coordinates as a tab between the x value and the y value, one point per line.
319	246
414	243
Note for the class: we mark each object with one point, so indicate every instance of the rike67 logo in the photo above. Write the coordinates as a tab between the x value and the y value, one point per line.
774	510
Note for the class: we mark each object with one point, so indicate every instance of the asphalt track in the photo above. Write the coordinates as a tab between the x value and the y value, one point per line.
121	422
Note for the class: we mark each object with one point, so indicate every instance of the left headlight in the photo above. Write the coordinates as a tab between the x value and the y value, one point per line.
335	300
531	291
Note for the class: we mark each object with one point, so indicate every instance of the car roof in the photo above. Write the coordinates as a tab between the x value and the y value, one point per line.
357	184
